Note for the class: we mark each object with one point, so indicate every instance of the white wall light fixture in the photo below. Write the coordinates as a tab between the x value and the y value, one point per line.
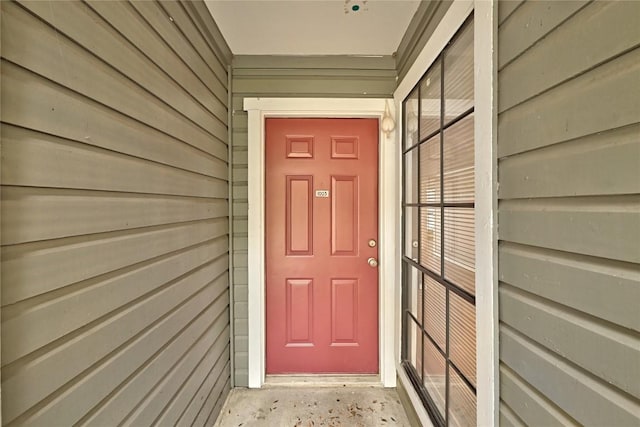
387	124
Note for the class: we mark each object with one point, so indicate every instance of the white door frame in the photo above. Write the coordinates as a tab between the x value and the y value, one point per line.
388	224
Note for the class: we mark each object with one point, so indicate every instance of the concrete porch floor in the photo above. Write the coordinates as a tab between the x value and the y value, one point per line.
358	406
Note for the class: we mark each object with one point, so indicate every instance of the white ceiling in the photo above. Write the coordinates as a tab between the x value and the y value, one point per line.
312	27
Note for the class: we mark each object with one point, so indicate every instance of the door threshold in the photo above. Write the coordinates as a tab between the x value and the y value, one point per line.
322	380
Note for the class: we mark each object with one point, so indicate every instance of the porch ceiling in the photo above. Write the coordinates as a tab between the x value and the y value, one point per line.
313	27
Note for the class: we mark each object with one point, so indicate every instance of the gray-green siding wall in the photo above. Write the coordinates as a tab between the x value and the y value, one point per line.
115	295
420	29
282	76
569	212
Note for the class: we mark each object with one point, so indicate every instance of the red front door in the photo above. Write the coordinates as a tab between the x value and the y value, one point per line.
322	229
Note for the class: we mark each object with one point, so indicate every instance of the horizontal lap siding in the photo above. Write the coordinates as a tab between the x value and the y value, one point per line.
569	212
267	76
115	225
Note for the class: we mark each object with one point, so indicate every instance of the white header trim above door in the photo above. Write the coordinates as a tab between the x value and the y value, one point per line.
389	231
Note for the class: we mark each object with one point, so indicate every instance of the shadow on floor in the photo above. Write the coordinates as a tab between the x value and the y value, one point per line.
313	406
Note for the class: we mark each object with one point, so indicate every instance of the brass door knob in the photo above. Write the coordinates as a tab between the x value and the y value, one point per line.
372	262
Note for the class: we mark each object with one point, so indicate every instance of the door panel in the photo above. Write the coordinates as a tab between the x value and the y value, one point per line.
299	312
344	312
321	213
299	220
344	215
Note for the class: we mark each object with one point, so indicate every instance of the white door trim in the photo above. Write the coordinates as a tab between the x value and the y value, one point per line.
389	231
486	179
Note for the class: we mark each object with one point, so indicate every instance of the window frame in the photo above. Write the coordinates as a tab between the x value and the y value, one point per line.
441	205
485	34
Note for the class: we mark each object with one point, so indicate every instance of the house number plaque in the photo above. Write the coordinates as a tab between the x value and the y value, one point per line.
322	193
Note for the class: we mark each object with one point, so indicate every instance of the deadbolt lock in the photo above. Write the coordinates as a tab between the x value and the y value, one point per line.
372	243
